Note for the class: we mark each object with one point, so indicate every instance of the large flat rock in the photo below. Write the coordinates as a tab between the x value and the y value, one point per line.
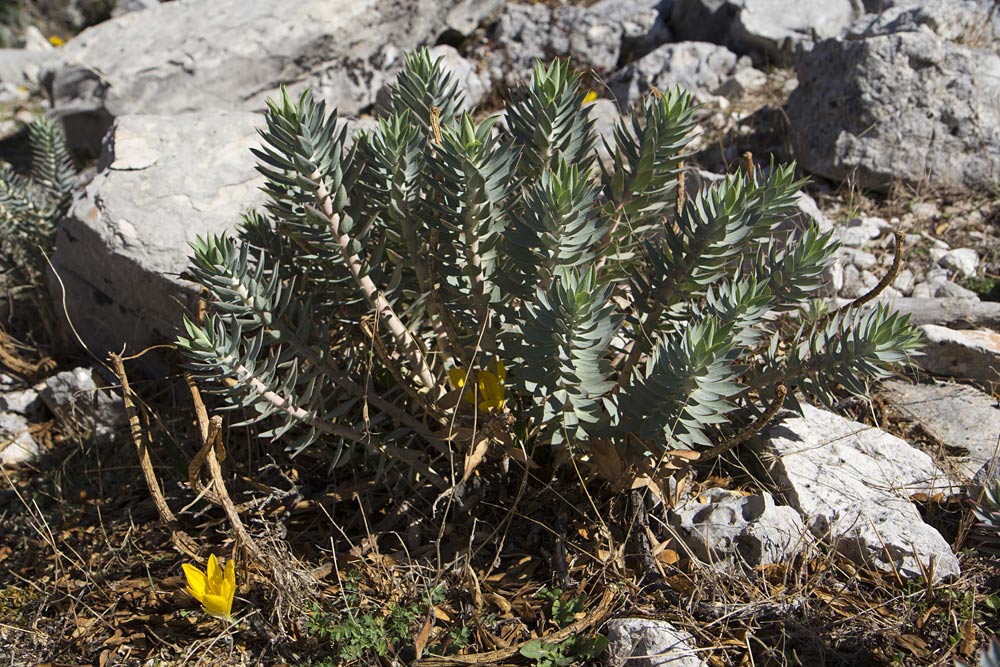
969	354
162	181
852	484
198	55
964	420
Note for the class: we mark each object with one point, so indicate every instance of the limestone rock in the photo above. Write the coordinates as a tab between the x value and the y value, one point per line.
937	284
471	81
231	55
770	30
769	27
641	642
601	37
906	106
23	402
605	115
162	181
963	419
643	24
852	483
20	67
74	397
972	355
859	232
950	312
699	67
730	531
953	20
16	443
963	260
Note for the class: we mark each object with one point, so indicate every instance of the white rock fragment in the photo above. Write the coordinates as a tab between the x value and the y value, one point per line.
731	531
16	443
963	260
970	354
74	397
852	483
642	642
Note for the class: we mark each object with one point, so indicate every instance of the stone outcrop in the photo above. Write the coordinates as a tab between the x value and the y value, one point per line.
905	107
196	56
162	181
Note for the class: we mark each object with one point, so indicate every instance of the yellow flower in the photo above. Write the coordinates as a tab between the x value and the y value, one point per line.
214	590
55	40
489	385
589	97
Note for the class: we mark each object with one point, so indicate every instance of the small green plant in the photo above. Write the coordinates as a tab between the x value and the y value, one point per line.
594	309
567	652
562	612
31	207
987	510
365	630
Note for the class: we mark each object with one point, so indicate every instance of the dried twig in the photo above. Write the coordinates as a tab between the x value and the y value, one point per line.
140	437
780	391
600	612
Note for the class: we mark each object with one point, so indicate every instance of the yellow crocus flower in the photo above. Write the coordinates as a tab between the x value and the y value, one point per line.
215	589
589	97
56	40
490	386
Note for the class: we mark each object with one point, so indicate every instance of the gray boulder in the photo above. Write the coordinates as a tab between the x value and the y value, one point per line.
937	284
732	532
852	483
470	81
232	55
699	67
906	106
954	20
964	420
956	313
770	28
642	642
162	181
600	37
966	354
643	24
20	67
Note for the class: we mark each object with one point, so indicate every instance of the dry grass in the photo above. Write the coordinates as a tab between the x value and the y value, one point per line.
92	576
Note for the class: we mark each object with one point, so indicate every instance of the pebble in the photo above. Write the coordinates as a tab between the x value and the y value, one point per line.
963	260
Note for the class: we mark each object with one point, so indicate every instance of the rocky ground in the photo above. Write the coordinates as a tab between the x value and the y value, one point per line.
839	537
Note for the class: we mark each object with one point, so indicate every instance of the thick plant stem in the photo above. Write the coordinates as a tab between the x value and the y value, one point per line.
375	298
285	405
897	262
384	310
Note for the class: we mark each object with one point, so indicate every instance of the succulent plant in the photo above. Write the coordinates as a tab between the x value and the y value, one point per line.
597	308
